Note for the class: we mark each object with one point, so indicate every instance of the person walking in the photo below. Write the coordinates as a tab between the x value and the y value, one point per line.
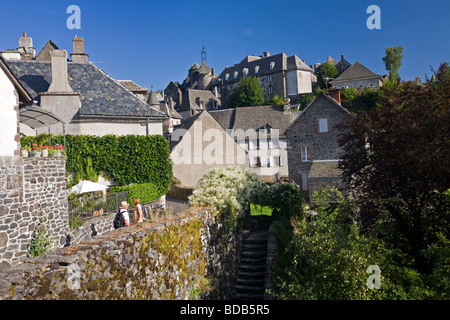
137	213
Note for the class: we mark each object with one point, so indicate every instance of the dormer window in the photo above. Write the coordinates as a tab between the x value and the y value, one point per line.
236	74
272	65
256	69
227	76
245	72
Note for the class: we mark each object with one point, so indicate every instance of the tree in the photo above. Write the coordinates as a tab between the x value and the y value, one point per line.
393	61
396	163
247	93
326	73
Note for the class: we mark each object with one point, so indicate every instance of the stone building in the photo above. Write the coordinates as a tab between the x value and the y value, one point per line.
359	77
196	93
260	132
200	144
278	75
313	147
82	96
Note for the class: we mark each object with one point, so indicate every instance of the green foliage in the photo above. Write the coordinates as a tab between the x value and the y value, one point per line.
247	93
40	240
230	190
393	62
145	192
127	159
257	210
276	100
326	73
327	258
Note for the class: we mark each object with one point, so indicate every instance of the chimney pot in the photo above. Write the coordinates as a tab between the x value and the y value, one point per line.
24	34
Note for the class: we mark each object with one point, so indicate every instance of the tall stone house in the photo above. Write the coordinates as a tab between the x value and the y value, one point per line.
260	132
82	96
196	93
313	148
278	75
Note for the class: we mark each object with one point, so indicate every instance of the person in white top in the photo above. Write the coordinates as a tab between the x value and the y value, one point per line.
124	209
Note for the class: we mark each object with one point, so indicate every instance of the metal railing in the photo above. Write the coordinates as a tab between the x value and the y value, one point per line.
87	207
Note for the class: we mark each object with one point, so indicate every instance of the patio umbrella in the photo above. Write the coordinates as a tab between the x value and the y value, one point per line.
87	186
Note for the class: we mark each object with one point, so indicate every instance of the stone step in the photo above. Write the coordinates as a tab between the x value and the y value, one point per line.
256	282
248	296
254	261
249	289
253	254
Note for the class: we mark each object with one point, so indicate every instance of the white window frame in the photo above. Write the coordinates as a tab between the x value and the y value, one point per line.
236	74
269	78
256	69
269	143
251	162
270	162
280	144
324	125
281	162
272	65
306	153
227	76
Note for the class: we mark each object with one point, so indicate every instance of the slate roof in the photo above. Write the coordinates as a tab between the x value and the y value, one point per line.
282	63
190	99
132	86
325	169
255	118
100	94
356	72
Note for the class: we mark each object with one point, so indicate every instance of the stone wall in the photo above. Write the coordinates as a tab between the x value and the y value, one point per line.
190	257
32	191
104	224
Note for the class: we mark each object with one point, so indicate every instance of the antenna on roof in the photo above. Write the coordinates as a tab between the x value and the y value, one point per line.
203	54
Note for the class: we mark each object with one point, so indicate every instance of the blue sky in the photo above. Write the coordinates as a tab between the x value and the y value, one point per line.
155	42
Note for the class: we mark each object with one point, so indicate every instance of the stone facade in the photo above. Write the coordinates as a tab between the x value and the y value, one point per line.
33	191
136	263
307	145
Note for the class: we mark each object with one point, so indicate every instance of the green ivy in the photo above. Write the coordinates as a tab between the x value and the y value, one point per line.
129	159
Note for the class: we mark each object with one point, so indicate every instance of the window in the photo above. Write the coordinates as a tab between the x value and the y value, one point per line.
323	125
256	69
306	153
280	143
245	72
252	162
270	90
281	161
305	184
272	65
236	74
227	76
269	77
250	144
270	162
269	143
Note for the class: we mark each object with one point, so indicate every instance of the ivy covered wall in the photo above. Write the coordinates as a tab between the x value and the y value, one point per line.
126	160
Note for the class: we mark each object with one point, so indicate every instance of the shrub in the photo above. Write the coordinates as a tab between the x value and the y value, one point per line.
229	190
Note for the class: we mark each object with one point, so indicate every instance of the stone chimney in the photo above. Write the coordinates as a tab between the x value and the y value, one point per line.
26	49
78	54
266	54
60	98
287	106
60	78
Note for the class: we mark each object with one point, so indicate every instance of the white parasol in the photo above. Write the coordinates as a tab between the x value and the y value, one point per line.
87	186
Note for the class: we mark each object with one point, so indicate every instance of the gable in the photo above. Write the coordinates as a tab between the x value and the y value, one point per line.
314	109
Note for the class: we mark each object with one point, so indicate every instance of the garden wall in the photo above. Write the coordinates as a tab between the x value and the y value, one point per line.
190	257
32	191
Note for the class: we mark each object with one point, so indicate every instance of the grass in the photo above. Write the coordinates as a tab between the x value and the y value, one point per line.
257	210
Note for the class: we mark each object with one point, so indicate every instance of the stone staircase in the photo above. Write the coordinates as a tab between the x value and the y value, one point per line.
250	283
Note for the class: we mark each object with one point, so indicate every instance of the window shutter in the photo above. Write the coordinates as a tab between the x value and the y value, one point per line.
310	153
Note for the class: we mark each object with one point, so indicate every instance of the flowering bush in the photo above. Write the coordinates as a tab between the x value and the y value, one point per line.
229	190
